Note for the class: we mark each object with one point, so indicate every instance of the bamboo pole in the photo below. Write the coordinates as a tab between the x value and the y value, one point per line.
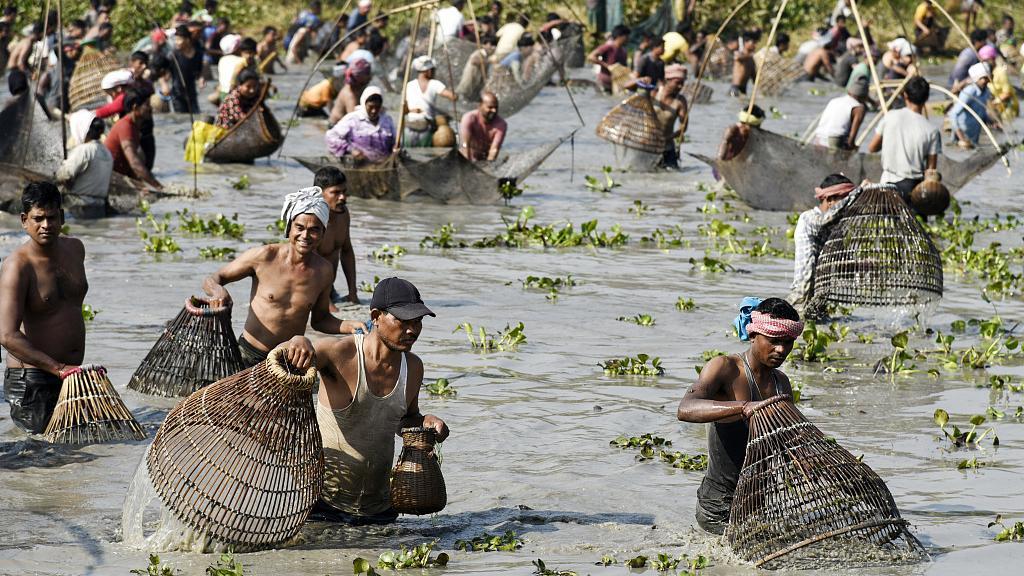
476	36
870	58
760	65
708	49
405	79
60	78
433	33
980	121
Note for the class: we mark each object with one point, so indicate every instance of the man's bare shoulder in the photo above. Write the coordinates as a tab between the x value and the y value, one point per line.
336	349
73	246
722	369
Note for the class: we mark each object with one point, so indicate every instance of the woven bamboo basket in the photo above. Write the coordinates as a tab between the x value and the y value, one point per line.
778	73
241	460
417	486
634	124
802	501
720	63
877	254
84	90
198	347
89	410
620	77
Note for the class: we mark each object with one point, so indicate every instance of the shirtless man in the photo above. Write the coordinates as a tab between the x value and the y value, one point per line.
291	283
670	105
743	66
735	137
369	391
336	245
729	390
42	287
18	59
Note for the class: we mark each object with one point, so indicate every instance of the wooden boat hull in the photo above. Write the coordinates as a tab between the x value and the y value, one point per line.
774	172
256	136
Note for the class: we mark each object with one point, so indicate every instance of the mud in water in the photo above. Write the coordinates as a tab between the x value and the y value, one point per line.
530	429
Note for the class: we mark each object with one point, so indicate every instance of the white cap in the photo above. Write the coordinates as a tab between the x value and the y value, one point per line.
365	3
979	71
116	78
229	43
902	46
423	63
370	91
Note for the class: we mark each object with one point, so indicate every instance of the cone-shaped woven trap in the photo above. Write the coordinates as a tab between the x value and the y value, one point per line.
89	410
802	501
877	254
241	461
84	90
634	124
778	73
417	486
197	347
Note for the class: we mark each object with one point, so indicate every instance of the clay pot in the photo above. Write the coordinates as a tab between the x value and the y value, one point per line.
444	136
930	197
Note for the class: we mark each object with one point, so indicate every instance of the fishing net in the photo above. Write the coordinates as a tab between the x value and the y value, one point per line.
240	462
417	486
802	501
720	63
28	139
877	254
84	90
89	410
778	74
513	96
198	347
634	124
696	95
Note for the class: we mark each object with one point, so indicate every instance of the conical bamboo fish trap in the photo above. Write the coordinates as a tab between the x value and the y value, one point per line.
802	501
696	95
89	410
634	124
241	461
778	73
417	486
84	90
877	254
197	348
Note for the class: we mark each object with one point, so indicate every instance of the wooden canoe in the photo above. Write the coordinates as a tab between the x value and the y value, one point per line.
257	135
774	172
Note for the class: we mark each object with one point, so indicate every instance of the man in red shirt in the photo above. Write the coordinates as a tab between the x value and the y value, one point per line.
124	139
482	130
611	52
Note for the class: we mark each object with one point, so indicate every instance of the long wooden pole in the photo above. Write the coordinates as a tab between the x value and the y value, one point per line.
433	34
60	78
476	35
405	79
760	65
708	49
871	59
892	98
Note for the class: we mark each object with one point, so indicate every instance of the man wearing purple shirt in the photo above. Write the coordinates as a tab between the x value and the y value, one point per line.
365	135
968	57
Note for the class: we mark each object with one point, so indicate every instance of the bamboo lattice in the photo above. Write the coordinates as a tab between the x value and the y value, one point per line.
89	410
634	124
84	90
198	347
778	74
802	501
877	254
417	486
241	460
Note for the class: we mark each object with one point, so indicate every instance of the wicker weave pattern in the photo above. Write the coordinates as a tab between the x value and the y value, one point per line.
417	486
778	73
634	124
801	500
84	90
197	348
242	459
89	410
878	255
702	96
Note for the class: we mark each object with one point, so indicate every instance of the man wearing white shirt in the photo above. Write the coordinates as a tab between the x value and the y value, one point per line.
450	20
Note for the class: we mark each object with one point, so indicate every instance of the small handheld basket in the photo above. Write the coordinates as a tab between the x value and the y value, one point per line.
241	460
634	124
417	486
197	347
802	501
89	410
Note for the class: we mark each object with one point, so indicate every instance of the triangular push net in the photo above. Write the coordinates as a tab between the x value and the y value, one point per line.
803	501
877	254
634	124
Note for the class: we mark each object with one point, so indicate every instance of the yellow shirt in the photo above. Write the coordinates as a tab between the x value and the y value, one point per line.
922	11
320	95
1001	88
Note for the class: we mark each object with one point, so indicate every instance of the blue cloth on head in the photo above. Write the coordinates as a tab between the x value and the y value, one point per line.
747	306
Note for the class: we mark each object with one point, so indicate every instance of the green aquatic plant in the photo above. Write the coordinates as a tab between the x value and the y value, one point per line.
640	208
815	345
507	542
242	183
540	569
647	444
219	225
1013	533
365	286
639	319
972	463
639	561
684	461
552	285
159	240
969	439
595	185
665	239
633	366
900	361
89	313
685	304
416	557
441	387
606	560
709	264
508	339
155	568
278	226
520	233
388	254
508	189
216	253
226	565
443	237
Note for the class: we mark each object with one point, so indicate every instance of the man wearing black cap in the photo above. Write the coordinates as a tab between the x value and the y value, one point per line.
369	390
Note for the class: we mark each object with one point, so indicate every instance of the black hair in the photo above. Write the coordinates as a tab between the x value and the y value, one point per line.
315	5
750	36
375	44
782	39
459	3
917	90
778	308
79	23
186	7
96	128
1008	18
159	65
37	28
979	35
485	19
10	10
523	19
4	28
328	176
757	112
17	82
525	40
139	56
211	6
375	97
246	75
269	29
498	4
39	195
133	99
247	45
840	17
833	179
620	30
181	31
106	26
552	16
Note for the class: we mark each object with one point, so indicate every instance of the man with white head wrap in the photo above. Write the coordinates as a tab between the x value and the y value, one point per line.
421	102
966	128
85	173
365	134
229	64
114	83
291	283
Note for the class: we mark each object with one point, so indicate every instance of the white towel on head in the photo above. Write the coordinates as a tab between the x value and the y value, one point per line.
305	201
78	124
979	71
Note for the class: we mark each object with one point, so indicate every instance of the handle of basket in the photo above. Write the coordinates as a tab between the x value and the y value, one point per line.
83	368
774	400
200	306
278	364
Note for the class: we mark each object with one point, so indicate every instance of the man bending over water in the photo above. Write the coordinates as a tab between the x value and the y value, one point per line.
369	391
42	287
729	390
291	283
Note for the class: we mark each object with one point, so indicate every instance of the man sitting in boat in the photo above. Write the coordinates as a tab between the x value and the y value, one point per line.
735	137
516	60
124	140
832	195
976	96
908	142
842	72
840	121
421	103
365	135
728	392
85	173
240	100
670	106
482	130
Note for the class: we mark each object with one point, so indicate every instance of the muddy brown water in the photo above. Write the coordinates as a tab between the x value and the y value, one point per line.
530	429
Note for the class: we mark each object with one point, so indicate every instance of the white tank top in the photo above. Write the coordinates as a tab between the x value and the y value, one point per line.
835	120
